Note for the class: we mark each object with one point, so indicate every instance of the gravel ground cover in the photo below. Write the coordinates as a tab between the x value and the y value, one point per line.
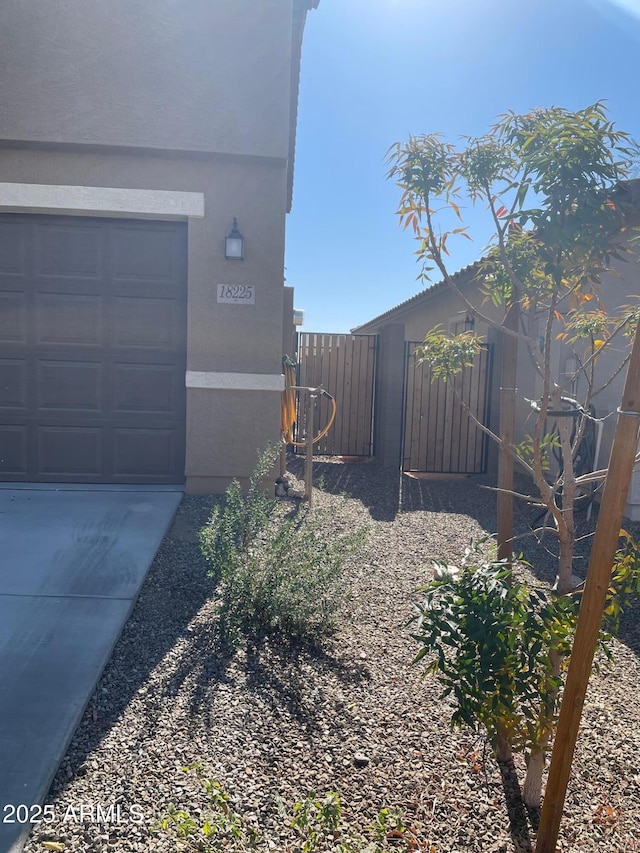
354	717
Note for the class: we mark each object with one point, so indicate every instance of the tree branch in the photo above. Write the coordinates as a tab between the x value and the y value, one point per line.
435	255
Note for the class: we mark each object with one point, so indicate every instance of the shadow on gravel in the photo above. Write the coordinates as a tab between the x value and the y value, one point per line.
385	494
377	488
470	496
175	589
460	496
519	816
630	628
282	675
279	676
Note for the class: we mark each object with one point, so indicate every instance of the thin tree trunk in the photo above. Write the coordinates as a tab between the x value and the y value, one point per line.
507	432
532	788
566	536
504	755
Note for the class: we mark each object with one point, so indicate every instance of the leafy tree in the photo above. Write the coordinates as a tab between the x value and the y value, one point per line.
551	181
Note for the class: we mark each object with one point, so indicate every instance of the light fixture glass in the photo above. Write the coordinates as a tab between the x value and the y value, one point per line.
234	244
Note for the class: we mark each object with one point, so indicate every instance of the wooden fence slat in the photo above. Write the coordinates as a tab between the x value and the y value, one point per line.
474	441
454	436
367	448
417	412
321	403
466	383
439	437
345	367
360	425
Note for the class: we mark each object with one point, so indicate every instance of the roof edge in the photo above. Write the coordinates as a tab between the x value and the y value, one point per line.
630	188
462	277
299	13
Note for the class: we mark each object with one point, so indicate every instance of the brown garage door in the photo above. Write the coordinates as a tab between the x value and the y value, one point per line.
92	350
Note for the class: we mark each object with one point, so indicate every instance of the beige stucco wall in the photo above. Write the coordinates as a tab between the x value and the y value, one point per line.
288	329
622	287
221	338
225	432
180	95
171	74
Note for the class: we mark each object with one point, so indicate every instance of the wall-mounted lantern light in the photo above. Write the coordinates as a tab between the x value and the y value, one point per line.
234	244
469	323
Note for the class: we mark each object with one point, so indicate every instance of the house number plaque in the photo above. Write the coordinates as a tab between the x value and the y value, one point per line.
237	294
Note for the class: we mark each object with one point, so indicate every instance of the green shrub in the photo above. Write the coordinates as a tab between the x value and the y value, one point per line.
235	524
280	572
491	641
489	638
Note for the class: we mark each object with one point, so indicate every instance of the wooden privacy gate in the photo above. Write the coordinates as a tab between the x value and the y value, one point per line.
345	366
438	434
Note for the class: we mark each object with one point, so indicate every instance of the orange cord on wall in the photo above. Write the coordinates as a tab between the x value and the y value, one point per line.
288	406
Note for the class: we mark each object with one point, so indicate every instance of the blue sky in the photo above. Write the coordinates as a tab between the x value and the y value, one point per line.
375	71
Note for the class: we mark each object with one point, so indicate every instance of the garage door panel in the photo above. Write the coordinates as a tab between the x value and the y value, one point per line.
69	318
13	383
146	388
13	450
69	385
67	250
92	349
144	452
146	322
65	451
13	317
12	248
142	253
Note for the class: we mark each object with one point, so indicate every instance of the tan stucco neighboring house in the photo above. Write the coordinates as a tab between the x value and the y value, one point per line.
132	132
438	305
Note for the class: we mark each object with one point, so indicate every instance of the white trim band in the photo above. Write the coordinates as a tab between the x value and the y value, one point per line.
235	381
100	201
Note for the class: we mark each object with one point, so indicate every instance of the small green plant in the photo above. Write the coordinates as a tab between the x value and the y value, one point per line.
389	826
281	572
624	588
217	827
315	820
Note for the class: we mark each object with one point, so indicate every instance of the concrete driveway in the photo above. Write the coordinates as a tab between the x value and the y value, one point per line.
72	561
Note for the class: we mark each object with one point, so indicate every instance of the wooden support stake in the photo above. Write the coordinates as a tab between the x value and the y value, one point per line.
308	467
508	378
623	452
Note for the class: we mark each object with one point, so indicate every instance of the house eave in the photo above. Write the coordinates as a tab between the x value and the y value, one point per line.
300	9
462	278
